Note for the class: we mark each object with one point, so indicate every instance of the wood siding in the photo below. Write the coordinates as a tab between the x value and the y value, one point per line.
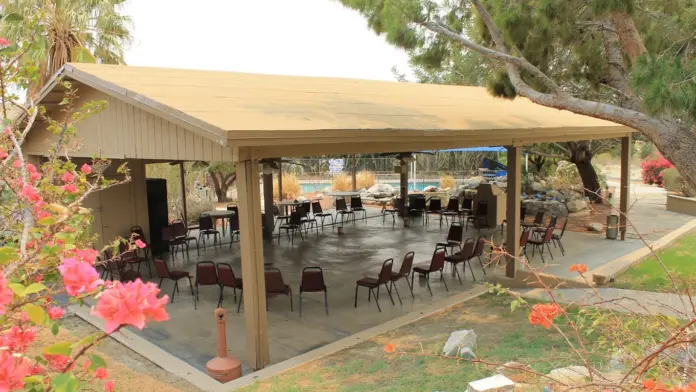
123	131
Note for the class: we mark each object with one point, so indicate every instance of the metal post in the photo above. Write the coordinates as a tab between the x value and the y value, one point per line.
626	149
280	181
514	190
251	247
354	174
182	184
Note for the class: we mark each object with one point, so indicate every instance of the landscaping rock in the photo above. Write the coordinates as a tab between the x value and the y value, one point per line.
301	198
319	196
458	340
467	353
430	189
572	375
576	205
497	383
381	189
579	214
536	187
512	368
552	207
595	227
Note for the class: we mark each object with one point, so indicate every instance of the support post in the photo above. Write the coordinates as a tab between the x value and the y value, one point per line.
251	246
280	181
354	176
626	149
182	184
268	204
514	190
403	190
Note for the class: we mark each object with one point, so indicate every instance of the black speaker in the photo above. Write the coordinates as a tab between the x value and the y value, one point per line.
158	212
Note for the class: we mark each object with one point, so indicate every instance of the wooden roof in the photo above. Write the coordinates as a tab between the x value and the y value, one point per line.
271	112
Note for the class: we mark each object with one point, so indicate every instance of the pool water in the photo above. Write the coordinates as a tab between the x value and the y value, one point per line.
320	186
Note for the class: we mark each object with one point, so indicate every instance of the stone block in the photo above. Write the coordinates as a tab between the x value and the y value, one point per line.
497	383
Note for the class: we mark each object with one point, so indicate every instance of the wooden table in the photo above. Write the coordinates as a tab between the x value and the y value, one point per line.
221	214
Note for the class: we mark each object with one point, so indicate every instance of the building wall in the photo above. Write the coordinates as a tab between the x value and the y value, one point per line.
123	131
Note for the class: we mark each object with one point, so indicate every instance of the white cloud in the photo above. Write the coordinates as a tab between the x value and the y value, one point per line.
288	37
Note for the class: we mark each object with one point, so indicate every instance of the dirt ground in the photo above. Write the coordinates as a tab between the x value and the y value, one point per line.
129	370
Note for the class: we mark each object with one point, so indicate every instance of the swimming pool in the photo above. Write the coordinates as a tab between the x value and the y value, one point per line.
320	186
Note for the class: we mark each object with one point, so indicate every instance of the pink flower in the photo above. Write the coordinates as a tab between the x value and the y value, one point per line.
101	373
12	371
30	167
86	364
68	177
3	153
4	42
17	164
109	386
41	214
70	188
38	278
7	130
35	176
57	362
133	303
79	277
140	244
17	340
6	294
55	312
29	192
35	369
87	255
86	169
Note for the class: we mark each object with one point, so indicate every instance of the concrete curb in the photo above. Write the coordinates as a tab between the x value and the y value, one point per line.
182	369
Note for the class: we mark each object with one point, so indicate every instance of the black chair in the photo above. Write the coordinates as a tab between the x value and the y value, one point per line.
437	264
278	217
434	208
538	220
384	278
293	226
467	206
357	206
206	275
227	279
539	231
207	224
276	285
452	210
234	224
403	273
342	209
418	205
455	236
318	212
463	256
307	221
523	213
313	282
398	204
556	238
538	243
137	233
478	252
175	276
480	215
181	231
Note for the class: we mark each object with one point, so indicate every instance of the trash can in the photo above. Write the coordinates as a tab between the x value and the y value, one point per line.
612	227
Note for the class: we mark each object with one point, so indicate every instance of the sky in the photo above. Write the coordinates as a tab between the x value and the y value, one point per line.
285	37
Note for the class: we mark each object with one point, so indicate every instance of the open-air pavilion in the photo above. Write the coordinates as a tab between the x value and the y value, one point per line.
171	115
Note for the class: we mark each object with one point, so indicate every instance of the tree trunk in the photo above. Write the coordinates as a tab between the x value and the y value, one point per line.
629	37
581	156
219	187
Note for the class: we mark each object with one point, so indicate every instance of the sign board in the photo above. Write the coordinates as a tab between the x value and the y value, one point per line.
336	166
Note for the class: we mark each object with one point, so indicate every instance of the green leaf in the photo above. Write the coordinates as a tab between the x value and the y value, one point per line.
8	254
64	383
54	329
62	348
96	362
34	288
13	17
49	221
34	379
17	288
514	305
36	313
82	55
87	340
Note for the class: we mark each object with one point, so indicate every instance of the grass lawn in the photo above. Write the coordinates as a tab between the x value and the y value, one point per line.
648	275
502	336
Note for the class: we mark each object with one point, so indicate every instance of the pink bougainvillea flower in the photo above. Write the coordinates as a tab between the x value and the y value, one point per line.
17	164
30	167
87	255
79	277
70	188
140	244
101	373
68	177
109	386
3	153
86	169
29	193
55	312
543	314
41	214
35	369
86	364
133	303
4	42
57	362
17	339
7	130
38	278
12	371
35	176
6	294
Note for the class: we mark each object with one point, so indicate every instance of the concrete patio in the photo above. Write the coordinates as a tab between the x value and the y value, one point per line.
191	335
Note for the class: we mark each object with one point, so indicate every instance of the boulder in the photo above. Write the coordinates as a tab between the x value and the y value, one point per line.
301	198
552	207
382	189
579	214
497	383
459	339
382	195
576	205
501	184
319	196
536	187
430	189
571	375
596	227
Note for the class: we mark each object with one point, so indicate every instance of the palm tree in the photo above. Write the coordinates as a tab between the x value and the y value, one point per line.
75	31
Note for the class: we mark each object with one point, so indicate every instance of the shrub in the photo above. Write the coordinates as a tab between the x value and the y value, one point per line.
342	182
674	182
364	179
291	187
651	170
447	182
196	205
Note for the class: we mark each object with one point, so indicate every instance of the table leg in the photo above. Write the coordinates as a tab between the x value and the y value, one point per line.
223	227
